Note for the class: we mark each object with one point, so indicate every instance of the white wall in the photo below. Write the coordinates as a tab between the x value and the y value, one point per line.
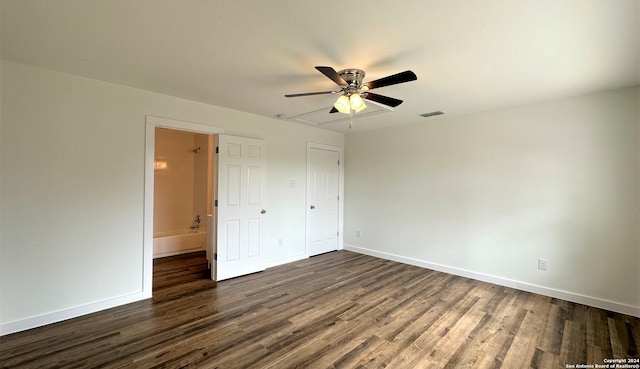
486	195
174	189
72	176
201	177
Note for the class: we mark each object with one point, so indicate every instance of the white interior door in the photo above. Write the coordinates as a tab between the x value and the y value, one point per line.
322	200
241	193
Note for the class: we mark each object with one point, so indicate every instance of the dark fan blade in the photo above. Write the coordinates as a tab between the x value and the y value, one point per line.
310	93
401	77
333	75
386	100
333	110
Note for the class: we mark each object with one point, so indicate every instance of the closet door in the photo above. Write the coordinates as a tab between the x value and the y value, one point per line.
323	199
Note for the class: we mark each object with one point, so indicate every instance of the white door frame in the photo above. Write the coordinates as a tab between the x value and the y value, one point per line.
340	150
149	156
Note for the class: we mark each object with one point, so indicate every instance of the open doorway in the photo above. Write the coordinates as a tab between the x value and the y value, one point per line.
179	222
182	212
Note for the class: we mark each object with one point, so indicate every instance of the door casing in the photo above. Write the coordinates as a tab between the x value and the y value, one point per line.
152	123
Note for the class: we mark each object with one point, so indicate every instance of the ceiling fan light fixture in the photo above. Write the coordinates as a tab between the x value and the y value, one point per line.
343	105
357	104
351	87
346	104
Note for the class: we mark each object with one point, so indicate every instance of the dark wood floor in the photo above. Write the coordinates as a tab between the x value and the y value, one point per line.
180	269
337	310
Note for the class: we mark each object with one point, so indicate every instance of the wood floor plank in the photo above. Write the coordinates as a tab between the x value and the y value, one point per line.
336	310
574	342
418	343
617	346
455	338
523	347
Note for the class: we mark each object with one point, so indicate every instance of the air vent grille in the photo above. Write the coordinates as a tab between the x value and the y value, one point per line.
431	114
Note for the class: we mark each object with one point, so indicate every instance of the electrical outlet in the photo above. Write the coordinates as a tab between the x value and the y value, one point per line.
358	233
543	264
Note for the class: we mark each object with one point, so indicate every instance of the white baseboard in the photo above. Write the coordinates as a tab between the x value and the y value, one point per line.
541	290
65	314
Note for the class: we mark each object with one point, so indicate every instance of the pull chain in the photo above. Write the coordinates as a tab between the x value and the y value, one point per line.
350	115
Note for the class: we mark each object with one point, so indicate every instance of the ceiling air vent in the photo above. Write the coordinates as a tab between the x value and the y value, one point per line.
432	114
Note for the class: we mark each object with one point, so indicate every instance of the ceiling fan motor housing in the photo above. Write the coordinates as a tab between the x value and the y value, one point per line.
353	77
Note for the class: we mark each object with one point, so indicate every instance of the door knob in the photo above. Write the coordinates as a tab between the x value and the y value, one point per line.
313	207
262	211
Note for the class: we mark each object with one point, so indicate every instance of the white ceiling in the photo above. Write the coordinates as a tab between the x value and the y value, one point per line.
469	55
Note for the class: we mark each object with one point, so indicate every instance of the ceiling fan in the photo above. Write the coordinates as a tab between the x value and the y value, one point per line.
352	90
